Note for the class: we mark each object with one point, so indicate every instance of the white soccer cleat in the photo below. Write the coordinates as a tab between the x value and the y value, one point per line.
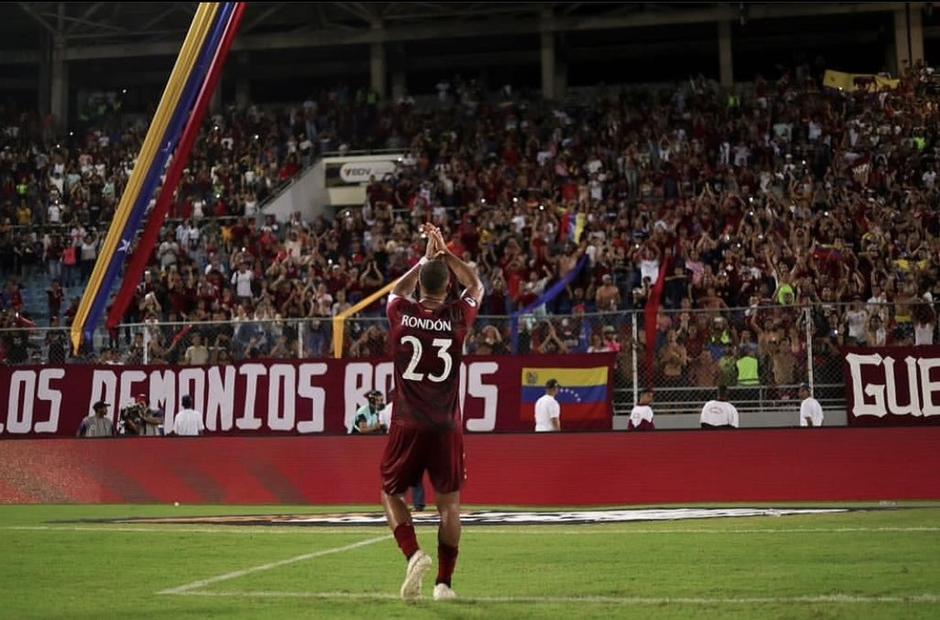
442	592
418	565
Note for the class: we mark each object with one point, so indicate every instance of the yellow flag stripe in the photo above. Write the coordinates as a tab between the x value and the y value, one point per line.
339	321
567	377
195	38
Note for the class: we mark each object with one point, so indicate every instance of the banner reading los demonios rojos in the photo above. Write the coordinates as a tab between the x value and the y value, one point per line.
892	385
299	397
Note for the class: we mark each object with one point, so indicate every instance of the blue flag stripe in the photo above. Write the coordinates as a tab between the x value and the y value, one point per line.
546	297
170	140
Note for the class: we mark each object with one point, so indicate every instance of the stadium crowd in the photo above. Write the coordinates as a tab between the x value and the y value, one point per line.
745	217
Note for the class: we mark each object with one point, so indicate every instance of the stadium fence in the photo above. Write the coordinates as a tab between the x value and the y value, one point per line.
762	354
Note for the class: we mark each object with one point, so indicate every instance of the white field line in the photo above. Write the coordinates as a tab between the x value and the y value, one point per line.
930	599
795	530
170	529
257	569
471	530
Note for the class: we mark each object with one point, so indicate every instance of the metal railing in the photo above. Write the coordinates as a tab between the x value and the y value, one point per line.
361	151
763	354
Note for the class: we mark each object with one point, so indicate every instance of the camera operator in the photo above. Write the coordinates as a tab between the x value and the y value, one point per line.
138	419
367	417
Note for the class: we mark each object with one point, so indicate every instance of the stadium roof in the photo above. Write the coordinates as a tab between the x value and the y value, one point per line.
90	30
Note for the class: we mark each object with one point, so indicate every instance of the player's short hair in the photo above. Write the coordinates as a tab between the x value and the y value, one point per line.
722	392
187	401
434	277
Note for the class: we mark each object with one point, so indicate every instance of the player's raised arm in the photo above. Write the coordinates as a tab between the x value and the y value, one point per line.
405	286
466	275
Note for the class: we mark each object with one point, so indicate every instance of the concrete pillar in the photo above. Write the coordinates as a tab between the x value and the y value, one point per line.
399	84
561	80
59	91
378	65
242	85
548	55
917	35
399	65
548	65
43	98
561	67
377	68
908	37
725	66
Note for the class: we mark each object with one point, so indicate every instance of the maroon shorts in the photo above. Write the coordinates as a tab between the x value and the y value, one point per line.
412	450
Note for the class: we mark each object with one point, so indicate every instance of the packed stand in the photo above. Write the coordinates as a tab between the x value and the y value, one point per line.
765	213
57	196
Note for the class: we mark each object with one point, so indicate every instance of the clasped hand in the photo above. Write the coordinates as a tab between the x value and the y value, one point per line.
436	246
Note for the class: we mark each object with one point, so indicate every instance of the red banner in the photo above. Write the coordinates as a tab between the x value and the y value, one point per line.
892	385
560	469
294	397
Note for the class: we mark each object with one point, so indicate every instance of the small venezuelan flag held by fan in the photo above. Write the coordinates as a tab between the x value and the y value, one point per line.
584	395
572	226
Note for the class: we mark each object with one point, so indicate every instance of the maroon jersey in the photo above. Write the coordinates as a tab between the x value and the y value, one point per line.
427	347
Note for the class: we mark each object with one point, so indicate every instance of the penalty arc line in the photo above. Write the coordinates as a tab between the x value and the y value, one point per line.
187	588
929	599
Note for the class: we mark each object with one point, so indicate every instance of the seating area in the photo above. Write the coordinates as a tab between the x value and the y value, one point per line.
690	197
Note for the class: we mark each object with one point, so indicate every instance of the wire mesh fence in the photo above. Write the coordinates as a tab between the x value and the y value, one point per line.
763	354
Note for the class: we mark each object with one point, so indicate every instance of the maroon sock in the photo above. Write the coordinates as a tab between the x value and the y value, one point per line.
406	539
446	561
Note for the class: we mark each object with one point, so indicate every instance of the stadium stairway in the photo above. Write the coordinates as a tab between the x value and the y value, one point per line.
35	302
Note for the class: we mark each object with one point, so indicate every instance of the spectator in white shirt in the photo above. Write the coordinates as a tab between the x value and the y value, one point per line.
929	178
168	252
547	409
719	413
811	413
54	213
197	353
241	279
188	421
641	417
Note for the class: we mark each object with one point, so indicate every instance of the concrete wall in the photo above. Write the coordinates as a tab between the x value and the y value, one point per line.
310	194
307	194
519	469
748	419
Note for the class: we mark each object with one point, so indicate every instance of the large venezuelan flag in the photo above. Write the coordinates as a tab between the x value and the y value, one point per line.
584	395
210	23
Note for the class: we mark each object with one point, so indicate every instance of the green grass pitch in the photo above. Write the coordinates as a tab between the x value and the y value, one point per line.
862	564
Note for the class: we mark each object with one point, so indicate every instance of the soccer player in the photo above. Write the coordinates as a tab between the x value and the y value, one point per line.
426	432
385	419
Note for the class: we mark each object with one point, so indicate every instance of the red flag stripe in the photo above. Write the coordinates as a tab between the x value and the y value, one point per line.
138	262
